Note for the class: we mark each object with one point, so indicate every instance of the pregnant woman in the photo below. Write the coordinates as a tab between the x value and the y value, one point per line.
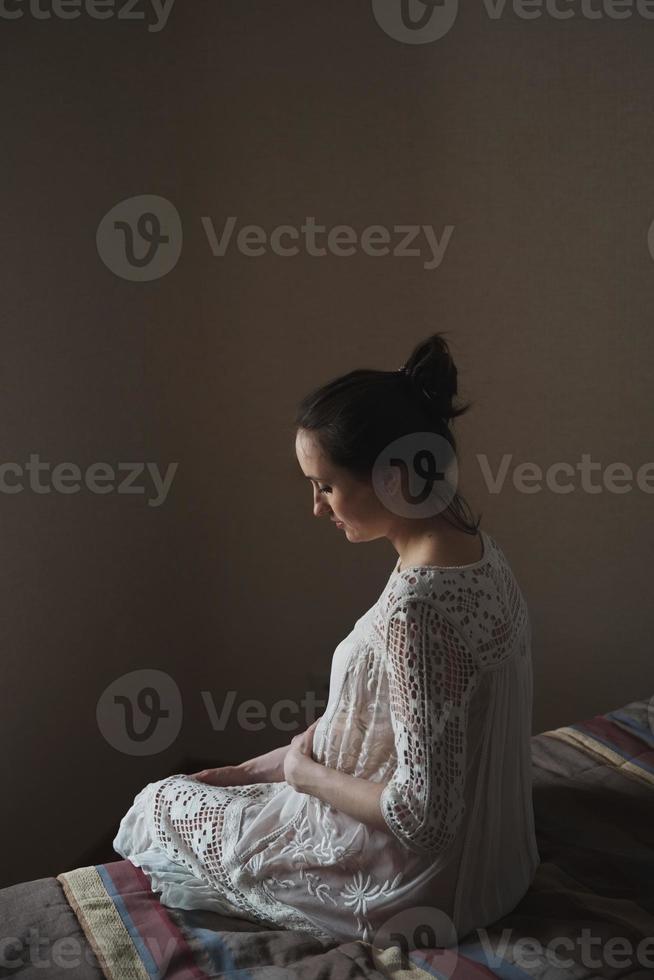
413	790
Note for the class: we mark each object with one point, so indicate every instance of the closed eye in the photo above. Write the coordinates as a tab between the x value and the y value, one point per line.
325	489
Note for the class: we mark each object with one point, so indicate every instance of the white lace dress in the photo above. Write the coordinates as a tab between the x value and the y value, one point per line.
430	692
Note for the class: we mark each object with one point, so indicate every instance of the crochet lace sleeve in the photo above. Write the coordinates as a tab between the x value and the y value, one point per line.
431	677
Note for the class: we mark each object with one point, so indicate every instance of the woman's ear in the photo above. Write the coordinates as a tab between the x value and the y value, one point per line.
390	481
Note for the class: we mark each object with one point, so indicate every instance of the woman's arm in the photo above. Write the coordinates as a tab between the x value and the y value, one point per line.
266	768
269	768
354	795
432	676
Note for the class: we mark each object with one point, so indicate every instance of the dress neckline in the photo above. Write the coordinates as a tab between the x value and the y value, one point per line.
447	568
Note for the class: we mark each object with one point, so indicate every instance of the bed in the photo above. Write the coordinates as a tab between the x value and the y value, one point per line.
588	913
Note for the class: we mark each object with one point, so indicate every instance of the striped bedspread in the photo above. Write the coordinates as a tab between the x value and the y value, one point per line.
623	739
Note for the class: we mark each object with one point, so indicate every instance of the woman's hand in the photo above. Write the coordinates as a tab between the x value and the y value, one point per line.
299	761
223	776
267	768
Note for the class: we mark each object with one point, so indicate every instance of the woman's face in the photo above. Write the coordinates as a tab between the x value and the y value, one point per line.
338	495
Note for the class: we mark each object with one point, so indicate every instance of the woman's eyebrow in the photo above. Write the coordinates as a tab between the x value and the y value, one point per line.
306	476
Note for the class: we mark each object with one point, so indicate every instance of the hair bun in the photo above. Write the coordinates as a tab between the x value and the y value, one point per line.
434	375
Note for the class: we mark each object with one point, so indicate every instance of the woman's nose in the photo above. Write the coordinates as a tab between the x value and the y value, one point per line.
320	508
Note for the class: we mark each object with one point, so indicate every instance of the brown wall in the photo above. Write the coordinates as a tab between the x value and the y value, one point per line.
532	138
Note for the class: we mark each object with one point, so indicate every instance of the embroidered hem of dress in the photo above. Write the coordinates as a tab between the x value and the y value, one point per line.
275	912
178	887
